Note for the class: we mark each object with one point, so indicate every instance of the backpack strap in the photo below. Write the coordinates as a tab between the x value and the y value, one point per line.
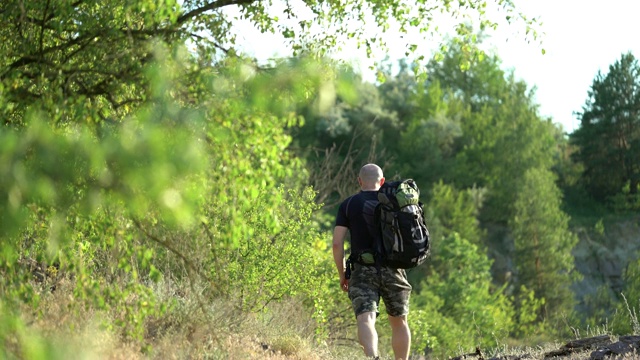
378	233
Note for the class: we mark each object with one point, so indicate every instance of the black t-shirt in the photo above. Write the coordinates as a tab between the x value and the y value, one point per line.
356	213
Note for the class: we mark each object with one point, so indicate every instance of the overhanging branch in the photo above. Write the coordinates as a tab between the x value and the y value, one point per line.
211	6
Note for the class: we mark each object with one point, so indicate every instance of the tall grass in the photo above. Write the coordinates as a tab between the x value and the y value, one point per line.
192	329
633	316
189	329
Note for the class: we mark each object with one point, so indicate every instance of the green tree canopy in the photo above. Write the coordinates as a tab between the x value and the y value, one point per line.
501	135
608	138
86	58
543	244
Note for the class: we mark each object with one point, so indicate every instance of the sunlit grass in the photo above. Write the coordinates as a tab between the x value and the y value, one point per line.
194	329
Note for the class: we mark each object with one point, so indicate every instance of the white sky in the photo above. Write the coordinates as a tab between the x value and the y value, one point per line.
581	38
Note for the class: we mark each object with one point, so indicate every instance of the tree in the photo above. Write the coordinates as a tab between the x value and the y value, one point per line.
608	138
428	124
89	56
502	134
457	211
543	244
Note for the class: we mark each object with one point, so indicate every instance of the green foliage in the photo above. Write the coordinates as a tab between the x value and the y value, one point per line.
64	166
65	182
79	61
427	145
543	244
526	320
138	149
362	116
84	61
19	343
602	308
459	306
457	211
599	227
625	320
123	204
275	261
502	134
609	134
625	200
431	331
468	142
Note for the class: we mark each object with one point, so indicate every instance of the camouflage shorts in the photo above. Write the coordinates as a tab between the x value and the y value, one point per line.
366	286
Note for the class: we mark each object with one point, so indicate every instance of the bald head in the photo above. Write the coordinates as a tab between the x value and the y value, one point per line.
371	177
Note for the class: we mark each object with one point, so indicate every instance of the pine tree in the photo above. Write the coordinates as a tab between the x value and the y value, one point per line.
543	243
609	134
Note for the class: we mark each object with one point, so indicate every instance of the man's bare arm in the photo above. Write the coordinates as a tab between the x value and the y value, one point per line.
339	234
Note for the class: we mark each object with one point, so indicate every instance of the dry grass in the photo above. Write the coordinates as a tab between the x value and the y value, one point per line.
60	329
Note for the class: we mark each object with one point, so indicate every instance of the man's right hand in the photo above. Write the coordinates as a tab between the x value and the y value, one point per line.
344	283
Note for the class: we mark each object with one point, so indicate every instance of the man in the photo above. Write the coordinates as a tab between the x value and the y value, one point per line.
368	281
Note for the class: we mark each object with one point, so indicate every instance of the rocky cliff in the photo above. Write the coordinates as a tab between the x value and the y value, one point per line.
602	258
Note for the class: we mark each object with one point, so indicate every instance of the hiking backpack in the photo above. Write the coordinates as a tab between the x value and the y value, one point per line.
402	238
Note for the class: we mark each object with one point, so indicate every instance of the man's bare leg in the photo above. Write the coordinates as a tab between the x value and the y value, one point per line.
400	337
367	334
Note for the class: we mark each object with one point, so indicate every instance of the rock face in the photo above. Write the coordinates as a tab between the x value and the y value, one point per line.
601	259
594	348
